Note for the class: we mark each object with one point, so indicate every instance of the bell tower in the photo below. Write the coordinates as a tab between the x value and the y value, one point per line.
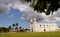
32	21
31	25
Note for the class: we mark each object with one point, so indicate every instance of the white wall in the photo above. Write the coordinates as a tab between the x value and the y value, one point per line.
37	28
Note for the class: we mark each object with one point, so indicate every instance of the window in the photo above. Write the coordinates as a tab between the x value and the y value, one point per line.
47	26
44	26
40	26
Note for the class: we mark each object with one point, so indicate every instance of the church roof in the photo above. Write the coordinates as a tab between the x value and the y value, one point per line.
47	23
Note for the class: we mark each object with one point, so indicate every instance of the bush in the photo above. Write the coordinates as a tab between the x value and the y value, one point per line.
3	29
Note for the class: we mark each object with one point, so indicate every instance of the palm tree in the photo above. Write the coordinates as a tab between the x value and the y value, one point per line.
16	28
20	27
45	6
13	26
17	25
10	28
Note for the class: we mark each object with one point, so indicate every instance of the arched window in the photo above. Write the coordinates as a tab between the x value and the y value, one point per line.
40	26
44	26
47	26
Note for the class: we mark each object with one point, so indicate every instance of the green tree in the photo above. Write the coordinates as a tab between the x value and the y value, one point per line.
45	6
4	29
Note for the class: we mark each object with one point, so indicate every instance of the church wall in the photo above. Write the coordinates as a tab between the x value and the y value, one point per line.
43	27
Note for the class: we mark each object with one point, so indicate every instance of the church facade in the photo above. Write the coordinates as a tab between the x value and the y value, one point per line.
42	27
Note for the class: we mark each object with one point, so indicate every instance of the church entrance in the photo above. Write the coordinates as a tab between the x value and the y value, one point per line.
44	30
32	29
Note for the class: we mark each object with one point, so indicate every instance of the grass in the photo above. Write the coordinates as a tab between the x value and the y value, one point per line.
30	34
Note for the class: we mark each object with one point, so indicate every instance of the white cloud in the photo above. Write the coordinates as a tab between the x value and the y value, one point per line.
4	8
29	12
5	5
22	18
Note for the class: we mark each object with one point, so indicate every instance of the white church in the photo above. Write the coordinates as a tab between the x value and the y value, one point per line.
42	27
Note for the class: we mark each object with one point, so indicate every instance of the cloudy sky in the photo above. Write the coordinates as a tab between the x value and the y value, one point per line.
14	11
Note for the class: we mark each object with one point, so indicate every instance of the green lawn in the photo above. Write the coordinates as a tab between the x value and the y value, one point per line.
31	34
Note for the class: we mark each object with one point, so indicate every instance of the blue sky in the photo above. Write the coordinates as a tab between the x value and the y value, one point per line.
13	17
